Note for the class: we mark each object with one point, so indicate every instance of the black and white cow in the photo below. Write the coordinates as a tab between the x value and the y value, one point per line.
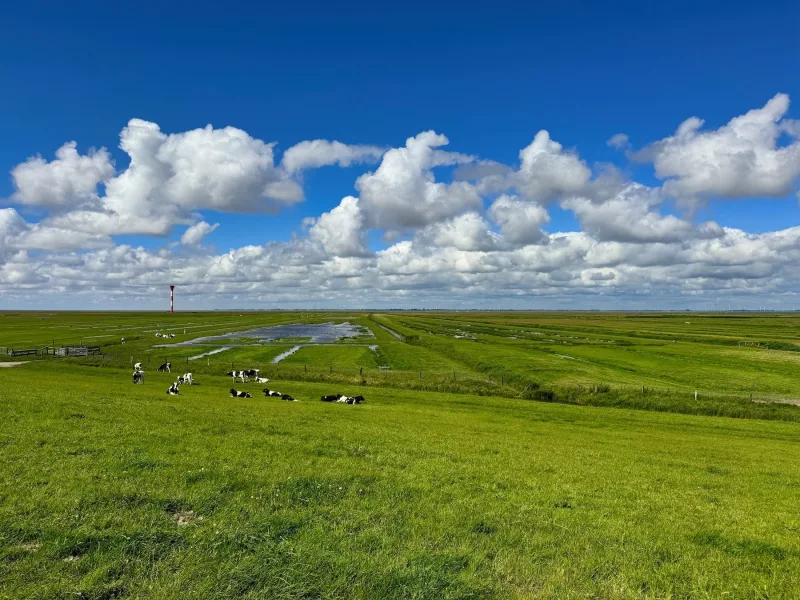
122	341
272	393
262	380
173	389
158	335
237	394
165	368
185	379
239	375
342	399
171	335
138	377
137	367
251	372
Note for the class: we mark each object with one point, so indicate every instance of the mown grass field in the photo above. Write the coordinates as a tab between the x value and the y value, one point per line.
110	490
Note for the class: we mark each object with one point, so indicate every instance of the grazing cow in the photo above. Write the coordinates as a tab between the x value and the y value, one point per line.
137	367
251	372
262	380
240	375
237	394
165	368
186	379
269	392
173	389
138	377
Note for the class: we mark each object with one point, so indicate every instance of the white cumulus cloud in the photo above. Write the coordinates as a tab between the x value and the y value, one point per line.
69	180
740	159
403	193
195	234
321	153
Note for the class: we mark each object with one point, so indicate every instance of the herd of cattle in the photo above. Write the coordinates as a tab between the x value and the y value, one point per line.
245	376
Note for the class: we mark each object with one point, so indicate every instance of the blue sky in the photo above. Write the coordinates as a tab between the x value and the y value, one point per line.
489	77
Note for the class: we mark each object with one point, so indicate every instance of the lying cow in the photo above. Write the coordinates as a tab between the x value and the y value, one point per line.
342	399
158	335
268	392
171	335
173	389
137	367
239	375
165	368
138	377
262	380
237	394
185	379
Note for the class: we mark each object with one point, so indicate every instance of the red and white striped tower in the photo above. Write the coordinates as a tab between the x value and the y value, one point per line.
172	298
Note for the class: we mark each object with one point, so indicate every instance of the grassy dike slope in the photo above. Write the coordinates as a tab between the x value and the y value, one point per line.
412	495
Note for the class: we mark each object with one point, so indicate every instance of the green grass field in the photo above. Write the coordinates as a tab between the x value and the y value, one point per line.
450	482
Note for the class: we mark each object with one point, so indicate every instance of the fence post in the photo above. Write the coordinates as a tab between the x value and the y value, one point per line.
420	374
361	371
305	368
331	370
643	389
695	394
751	396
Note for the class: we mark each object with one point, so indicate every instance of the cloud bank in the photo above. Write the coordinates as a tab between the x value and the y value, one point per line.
459	230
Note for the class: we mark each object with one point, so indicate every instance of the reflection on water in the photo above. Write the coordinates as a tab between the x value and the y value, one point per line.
319	333
289	352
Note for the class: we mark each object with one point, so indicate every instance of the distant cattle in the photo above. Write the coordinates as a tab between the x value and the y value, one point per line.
185	379
171	335
173	389
138	377
262	380
251	372
158	335
165	368
237	394
137	367
122	341
239	375
342	399
272	393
